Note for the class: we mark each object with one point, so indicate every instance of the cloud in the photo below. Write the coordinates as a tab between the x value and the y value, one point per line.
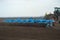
14	8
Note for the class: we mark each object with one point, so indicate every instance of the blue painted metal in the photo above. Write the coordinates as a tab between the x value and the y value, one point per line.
30	20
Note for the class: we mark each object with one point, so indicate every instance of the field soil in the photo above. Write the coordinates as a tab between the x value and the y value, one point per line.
28	33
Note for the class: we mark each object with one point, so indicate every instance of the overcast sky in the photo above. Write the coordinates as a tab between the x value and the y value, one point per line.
25	8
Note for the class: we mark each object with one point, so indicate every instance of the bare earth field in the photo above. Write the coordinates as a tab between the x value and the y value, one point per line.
28	33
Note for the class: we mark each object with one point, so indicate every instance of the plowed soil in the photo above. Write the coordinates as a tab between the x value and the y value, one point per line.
28	33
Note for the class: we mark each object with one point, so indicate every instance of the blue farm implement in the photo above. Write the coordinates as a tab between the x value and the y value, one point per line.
30	21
